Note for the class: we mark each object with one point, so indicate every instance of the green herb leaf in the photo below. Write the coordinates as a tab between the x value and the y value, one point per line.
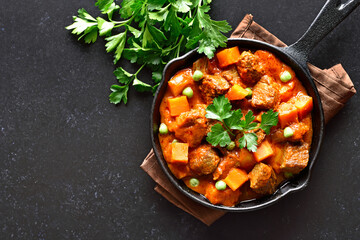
90	34
234	122
141	86
212	37
157	76
249	140
127	8
218	136
84	24
107	7
155	4
134	31
220	109
159	15
248	123
268	120
104	26
116	42
181	5
123	76
119	93
172	24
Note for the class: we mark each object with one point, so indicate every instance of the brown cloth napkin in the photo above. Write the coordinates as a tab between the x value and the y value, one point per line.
335	88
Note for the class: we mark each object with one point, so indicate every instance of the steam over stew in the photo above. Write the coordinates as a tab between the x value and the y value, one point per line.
236	126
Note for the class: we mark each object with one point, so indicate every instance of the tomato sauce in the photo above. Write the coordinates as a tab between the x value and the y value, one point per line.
261	71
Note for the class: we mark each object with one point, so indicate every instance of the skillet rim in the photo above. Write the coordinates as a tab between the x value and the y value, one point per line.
292	185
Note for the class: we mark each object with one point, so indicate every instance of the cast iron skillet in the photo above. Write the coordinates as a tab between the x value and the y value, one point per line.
296	57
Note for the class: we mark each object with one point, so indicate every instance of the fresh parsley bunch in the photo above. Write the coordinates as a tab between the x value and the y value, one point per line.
151	33
221	134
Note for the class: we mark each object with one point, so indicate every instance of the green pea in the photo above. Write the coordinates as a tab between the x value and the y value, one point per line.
288	175
163	129
194	182
285	76
188	92
197	75
220	185
175	141
231	146
288	132
249	92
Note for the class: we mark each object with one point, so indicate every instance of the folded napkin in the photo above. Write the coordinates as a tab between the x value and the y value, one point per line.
335	88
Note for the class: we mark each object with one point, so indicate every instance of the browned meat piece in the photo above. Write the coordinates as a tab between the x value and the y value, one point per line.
213	85
203	160
201	64
262	179
299	129
232	76
230	160
265	93
249	68
191	126
296	157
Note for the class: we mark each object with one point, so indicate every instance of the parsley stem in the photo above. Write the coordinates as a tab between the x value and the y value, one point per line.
228	129
179	46
137	72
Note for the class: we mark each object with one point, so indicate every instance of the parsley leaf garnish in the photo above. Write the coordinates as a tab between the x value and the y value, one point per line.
218	136
249	140
221	134
268	120
150	33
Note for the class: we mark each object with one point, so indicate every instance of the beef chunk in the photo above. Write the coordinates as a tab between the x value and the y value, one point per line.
191	126
213	85
262	179
249	68
299	129
296	157
230	160
232	76
201	64
265	93
203	160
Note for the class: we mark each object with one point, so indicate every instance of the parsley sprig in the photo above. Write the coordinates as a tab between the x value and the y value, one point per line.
150	33
230	120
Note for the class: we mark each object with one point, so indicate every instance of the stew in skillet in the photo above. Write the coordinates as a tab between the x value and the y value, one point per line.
244	161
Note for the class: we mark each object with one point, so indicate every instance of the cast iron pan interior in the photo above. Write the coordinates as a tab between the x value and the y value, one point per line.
295	184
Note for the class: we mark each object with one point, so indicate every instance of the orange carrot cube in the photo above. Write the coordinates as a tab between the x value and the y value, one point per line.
288	114
179	153
236	92
236	178
276	160
228	56
246	159
264	151
178	105
304	105
178	82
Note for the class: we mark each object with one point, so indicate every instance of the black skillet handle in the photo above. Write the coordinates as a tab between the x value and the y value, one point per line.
332	13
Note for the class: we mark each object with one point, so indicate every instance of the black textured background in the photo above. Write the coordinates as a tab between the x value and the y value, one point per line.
69	160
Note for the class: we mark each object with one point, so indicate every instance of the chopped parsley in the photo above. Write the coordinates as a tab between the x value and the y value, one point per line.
150	33
230	120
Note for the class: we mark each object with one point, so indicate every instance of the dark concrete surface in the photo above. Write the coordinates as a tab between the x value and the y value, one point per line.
69	160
